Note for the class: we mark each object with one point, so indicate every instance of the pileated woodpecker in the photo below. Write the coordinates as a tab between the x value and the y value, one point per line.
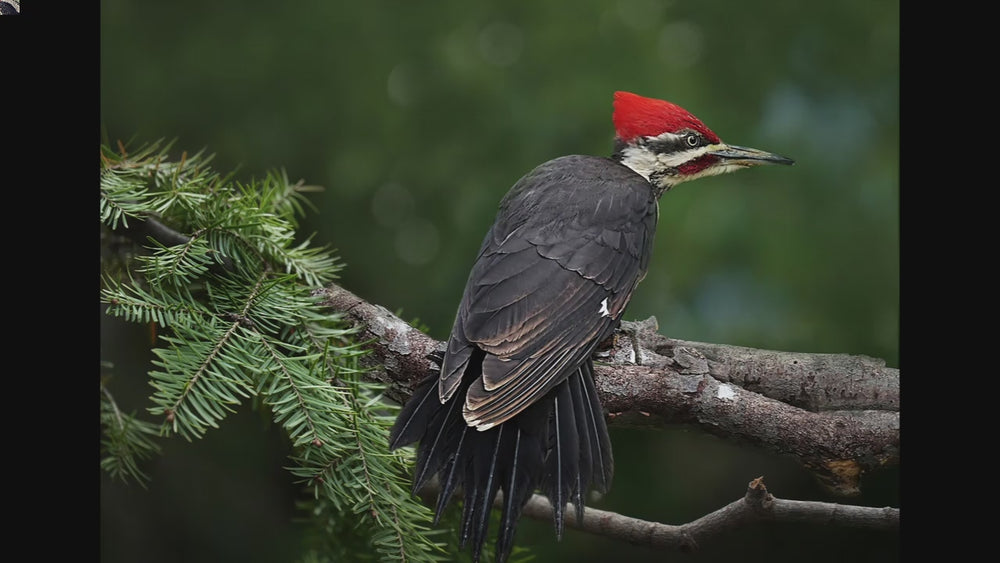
514	406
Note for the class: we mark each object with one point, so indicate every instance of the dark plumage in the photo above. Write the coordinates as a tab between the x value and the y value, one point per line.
514	407
551	282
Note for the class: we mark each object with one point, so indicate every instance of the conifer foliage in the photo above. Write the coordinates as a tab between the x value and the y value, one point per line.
219	273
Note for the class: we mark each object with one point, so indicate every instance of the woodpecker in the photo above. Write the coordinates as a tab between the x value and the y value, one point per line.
514	407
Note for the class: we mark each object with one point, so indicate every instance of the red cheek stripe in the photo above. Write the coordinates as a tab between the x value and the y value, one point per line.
697	165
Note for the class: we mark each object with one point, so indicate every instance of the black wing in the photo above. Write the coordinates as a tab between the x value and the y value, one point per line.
555	272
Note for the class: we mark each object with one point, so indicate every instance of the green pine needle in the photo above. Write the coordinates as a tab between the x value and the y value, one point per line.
228	289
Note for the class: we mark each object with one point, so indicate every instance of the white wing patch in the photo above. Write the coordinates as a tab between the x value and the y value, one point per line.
603	311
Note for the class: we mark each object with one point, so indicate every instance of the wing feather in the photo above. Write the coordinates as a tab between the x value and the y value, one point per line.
552	279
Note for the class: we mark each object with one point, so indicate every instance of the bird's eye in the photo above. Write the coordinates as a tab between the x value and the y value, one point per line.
692	140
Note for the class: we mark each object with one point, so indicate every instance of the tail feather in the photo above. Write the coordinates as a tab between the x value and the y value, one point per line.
558	445
562	463
412	421
486	484
518	488
441	430
586	439
469	506
603	462
451	477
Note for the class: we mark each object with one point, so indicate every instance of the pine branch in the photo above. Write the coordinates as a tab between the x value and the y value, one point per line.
222	277
127	441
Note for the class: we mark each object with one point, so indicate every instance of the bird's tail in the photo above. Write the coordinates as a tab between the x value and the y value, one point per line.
559	445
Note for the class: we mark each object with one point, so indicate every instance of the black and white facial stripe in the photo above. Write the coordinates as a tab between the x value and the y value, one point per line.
661	159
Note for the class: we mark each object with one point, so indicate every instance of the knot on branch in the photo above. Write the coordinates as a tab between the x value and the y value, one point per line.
757	498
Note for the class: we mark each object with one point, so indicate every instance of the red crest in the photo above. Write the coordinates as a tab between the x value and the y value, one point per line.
637	116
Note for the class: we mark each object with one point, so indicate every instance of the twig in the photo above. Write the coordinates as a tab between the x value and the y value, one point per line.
756	505
140	231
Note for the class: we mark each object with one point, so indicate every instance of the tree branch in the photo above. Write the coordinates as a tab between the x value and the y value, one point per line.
738	393
756	505
815	382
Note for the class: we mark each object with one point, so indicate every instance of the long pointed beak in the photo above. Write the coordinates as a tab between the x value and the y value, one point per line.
745	156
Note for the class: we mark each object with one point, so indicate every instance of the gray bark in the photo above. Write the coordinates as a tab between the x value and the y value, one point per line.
837	414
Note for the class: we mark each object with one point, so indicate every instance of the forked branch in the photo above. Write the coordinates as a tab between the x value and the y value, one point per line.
756	505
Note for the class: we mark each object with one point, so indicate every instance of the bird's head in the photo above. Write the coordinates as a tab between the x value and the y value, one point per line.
667	145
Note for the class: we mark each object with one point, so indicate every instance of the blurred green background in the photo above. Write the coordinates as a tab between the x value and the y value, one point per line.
416	117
